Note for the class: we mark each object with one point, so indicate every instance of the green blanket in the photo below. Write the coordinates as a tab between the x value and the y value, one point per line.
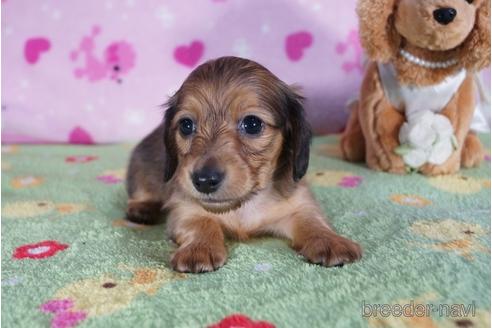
69	259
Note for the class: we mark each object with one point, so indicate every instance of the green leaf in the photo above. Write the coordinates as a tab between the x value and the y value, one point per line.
454	141
403	149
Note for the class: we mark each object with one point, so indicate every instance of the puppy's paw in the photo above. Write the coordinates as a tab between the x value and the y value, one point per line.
144	212
331	250
198	258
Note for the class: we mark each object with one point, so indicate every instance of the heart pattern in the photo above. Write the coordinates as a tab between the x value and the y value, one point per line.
79	136
34	47
296	43
189	55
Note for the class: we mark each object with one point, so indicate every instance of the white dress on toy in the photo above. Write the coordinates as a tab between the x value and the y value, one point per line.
426	136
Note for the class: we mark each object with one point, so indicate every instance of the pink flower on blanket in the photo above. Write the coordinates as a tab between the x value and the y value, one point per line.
80	159
112	176
350	182
64	317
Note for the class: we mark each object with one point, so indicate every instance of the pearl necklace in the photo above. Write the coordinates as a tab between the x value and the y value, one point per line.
425	63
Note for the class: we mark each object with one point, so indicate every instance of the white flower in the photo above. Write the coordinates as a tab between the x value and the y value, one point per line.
426	138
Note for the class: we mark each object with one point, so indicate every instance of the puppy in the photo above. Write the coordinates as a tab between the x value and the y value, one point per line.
228	161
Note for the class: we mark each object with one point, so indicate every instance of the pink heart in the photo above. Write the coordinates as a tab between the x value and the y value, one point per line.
79	136
34	47
189	55
296	43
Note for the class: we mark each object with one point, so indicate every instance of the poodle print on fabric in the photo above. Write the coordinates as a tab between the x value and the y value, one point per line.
118	59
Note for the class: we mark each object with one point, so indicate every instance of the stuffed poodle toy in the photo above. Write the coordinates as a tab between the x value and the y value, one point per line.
416	107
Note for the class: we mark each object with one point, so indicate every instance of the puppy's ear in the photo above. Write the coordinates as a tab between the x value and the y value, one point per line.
475	51
171	158
294	158
376	29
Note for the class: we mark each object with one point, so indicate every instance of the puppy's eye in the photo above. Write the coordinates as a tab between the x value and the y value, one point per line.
251	125
187	127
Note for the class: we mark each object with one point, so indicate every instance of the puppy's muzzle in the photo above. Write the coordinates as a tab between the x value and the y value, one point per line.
444	16
208	179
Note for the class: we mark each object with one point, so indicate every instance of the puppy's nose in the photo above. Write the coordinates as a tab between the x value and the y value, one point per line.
207	180
444	16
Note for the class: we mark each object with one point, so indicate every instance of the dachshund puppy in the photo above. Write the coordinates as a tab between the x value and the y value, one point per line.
228	161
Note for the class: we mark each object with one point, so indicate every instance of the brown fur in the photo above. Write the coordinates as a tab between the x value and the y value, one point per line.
262	192
386	26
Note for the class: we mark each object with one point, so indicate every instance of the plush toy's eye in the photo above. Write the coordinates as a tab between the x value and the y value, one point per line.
251	125
187	127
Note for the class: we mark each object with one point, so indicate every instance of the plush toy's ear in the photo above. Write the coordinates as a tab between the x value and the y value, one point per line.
475	51
294	158
376	28
171	158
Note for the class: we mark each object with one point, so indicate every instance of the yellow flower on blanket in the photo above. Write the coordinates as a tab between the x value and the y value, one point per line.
410	200
329	150
6	166
26	182
10	149
458	184
20	210
452	236
106	294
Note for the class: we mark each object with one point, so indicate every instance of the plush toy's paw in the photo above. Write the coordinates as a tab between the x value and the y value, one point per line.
473	153
330	250
391	164
451	166
353	147
198	258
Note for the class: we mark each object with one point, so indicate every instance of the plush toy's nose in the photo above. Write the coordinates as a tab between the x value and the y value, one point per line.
207	180
444	16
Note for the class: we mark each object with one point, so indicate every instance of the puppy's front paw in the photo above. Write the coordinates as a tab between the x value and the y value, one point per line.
198	258
330	250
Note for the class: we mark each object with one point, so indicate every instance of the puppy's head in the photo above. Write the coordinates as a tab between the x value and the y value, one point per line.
231	130
435	25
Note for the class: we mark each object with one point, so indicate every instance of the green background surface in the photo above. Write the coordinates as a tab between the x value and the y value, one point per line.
263	278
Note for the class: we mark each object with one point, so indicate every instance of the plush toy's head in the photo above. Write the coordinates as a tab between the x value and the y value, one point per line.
460	26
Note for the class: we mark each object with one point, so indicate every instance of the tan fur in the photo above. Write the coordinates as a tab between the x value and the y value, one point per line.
260	193
386	26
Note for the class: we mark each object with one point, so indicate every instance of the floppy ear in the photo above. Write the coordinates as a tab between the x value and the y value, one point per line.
171	158
475	51
376	29
294	158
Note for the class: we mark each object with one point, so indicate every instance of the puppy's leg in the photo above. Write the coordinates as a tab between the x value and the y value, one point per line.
316	241
145	180
201	244
319	244
146	210
352	142
473	152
